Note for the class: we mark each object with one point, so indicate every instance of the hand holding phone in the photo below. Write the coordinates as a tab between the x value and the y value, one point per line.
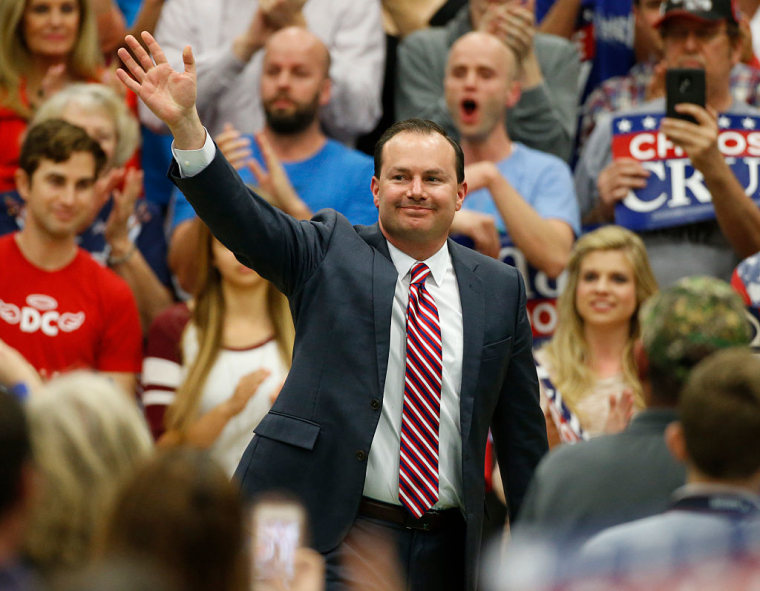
278	531
684	85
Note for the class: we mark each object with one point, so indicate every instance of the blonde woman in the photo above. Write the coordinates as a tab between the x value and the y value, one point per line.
44	45
214	366
586	372
87	437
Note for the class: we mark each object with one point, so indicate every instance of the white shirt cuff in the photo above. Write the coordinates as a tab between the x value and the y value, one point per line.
191	162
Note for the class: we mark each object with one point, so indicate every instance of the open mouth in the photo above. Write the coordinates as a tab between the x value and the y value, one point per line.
469	107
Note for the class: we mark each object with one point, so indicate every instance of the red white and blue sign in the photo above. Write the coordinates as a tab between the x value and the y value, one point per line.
541	291
675	193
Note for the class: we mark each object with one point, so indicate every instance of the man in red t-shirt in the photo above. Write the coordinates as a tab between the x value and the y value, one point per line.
58	307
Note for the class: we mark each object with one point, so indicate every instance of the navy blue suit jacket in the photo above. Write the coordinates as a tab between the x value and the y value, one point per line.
340	282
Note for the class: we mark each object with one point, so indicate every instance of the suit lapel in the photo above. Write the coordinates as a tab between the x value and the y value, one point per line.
473	326
384	277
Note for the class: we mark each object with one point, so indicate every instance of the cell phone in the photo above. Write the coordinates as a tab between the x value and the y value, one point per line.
684	85
278	531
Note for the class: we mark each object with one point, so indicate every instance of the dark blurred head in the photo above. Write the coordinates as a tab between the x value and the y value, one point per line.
181	510
15	451
720	415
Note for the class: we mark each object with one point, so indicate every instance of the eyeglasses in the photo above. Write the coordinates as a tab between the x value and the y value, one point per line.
701	34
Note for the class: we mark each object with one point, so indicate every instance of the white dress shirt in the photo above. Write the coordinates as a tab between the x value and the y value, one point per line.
381	482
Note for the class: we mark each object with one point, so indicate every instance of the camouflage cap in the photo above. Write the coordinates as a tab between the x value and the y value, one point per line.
689	320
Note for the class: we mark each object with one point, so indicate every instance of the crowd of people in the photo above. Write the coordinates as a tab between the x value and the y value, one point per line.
410	259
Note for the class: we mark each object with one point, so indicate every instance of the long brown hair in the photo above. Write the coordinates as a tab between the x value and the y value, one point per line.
84	60
208	319
568	351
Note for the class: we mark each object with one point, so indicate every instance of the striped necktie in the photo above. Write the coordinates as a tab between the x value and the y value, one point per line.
418	465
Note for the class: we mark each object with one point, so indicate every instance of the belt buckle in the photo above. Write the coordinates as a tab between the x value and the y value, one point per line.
420	524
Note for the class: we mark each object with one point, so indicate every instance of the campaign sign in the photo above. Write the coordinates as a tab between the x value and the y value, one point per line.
675	194
541	291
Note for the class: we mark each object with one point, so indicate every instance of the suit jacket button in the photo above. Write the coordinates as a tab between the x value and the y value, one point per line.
361	456
375	404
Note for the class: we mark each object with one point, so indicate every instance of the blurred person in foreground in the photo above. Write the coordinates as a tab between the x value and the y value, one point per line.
87	436
181	513
17	489
579	490
58	307
717	438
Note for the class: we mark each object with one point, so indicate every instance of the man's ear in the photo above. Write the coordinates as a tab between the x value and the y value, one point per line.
23	183
325	92
513	94
641	360
461	194
374	186
675	441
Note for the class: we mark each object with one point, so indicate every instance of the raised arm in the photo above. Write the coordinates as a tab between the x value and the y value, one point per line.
277	246
169	94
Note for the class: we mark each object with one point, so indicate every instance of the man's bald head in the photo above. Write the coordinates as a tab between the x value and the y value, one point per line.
298	40
488	50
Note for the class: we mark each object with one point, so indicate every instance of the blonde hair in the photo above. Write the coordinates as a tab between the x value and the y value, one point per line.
208	319
84	60
567	351
96	97
87	436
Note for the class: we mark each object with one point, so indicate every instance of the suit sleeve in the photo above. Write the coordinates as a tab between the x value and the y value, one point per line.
277	246
518	427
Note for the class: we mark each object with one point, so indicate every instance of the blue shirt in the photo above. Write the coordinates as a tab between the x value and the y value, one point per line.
543	180
336	177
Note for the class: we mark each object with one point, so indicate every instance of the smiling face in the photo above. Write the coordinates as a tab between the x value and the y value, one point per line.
50	27
59	196
417	192
479	84
605	296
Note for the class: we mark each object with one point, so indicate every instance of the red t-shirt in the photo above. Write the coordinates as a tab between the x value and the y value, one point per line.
82	316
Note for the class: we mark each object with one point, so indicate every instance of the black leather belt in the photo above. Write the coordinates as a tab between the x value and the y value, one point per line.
431	521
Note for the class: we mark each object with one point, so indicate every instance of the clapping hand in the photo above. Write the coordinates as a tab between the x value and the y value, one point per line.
168	93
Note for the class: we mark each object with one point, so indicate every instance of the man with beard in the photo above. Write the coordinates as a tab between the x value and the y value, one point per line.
291	159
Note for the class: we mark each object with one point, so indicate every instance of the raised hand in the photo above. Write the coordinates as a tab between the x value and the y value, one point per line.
117	226
166	92
235	147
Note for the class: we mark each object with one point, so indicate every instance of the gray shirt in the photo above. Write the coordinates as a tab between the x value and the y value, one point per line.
545	116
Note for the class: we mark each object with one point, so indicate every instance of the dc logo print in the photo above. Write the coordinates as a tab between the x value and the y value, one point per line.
40	314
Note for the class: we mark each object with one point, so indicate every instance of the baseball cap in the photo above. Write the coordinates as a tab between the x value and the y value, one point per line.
689	320
700	10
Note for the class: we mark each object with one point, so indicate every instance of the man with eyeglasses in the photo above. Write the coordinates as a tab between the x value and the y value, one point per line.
700	34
